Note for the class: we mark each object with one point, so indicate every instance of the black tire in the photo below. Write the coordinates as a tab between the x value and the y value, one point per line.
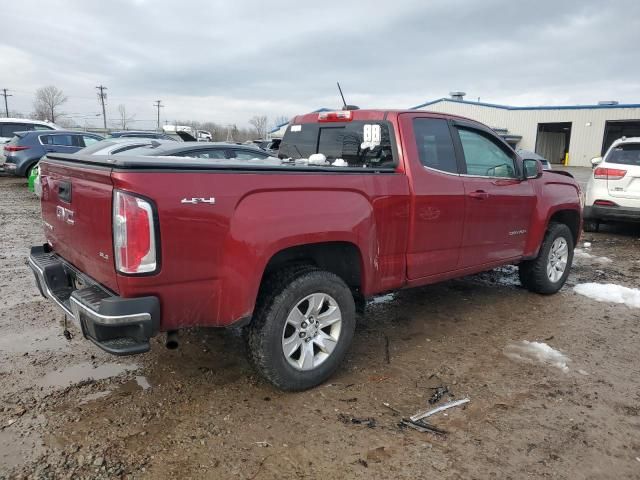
282	293
533	273
591	226
30	169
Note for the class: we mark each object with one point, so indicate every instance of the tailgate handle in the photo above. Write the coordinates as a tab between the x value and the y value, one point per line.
64	191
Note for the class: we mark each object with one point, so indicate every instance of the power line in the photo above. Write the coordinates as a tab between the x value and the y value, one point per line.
102	96
158	105
5	95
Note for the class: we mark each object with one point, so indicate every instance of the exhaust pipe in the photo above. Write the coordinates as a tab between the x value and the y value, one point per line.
172	340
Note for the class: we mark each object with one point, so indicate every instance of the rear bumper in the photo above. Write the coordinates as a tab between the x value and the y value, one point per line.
616	214
121	326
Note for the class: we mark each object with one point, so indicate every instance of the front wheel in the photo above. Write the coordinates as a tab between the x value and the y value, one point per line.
548	272
302	328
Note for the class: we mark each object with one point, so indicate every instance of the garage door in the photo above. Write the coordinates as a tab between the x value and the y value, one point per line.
614	130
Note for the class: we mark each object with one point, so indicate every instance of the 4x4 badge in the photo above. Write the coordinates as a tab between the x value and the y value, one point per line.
193	201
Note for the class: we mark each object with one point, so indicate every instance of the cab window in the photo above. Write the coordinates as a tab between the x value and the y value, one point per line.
484	157
434	143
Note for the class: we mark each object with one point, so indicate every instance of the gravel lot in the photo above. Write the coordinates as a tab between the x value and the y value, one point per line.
69	410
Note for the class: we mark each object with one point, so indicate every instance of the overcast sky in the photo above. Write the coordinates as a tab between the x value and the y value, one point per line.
226	61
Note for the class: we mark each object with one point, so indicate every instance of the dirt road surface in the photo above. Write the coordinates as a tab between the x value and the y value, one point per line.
69	410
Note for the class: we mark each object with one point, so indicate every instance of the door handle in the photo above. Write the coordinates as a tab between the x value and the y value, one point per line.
479	195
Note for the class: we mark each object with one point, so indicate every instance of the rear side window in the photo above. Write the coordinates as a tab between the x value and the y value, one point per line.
59	140
87	140
628	154
41	127
10	129
247	155
434	143
484	157
358	143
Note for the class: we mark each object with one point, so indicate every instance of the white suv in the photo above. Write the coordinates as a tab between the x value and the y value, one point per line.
613	191
8	127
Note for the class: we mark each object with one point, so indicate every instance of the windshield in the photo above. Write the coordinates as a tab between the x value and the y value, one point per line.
345	144
625	154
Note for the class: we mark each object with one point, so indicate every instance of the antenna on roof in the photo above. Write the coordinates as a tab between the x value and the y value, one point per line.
344	102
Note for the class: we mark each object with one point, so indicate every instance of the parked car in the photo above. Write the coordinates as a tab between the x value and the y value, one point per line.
25	149
361	202
144	134
210	150
113	146
613	190
527	154
270	146
9	127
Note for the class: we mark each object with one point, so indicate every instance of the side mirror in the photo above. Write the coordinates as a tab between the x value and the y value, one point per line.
595	161
532	168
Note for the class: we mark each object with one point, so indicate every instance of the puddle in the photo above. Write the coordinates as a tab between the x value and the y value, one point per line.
94	396
83	371
143	382
32	340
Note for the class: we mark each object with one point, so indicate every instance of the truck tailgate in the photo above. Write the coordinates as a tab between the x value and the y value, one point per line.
77	216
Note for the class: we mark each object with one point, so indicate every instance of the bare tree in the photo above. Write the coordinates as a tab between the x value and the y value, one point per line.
47	103
124	119
259	122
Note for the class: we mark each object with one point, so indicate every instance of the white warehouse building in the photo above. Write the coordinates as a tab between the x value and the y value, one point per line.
576	133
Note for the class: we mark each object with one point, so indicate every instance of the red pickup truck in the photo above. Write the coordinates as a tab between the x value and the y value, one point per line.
359	202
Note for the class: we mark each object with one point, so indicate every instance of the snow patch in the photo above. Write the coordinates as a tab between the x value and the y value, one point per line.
537	352
578	253
383	298
609	292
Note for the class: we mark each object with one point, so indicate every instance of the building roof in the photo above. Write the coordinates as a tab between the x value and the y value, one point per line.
509	107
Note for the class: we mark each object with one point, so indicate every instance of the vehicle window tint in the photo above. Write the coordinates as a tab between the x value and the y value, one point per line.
484	157
358	143
625	154
89	140
59	140
435	146
9	129
247	154
212	153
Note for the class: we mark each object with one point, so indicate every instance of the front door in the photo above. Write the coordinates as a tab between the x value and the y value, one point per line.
498	202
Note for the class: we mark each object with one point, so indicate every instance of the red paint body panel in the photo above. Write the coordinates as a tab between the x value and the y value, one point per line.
411	227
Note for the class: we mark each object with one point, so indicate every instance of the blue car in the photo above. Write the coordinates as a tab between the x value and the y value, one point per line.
25	149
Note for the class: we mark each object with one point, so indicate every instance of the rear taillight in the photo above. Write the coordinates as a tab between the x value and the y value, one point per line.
609	173
14	148
134	239
339	116
605	203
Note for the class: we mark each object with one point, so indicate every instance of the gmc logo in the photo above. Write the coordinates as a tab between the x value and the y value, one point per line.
65	215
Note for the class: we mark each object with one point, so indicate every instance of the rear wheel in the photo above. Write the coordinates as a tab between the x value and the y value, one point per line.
302	328
548	272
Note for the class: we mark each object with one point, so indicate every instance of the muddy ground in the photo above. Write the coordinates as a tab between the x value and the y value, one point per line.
69	410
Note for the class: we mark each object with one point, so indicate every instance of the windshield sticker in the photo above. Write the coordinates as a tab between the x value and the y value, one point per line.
296	128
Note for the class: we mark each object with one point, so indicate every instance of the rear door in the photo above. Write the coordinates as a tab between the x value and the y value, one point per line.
498	203
60	142
438	196
626	183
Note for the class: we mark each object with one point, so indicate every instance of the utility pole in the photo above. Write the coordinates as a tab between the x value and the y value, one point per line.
102	96
158	105
5	95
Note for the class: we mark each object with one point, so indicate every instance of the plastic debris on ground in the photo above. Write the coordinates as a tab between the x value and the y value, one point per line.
537	352
609	292
441	408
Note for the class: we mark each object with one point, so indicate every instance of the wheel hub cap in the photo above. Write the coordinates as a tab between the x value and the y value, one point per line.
311	331
558	258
